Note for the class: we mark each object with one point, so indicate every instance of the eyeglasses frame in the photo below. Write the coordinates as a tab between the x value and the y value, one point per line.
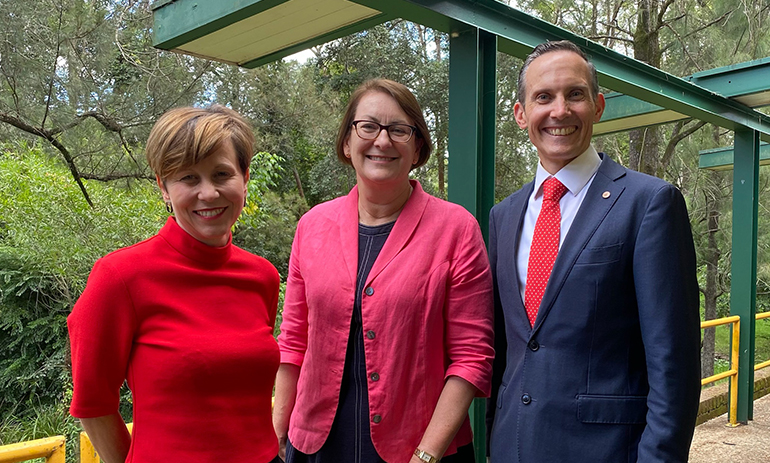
385	128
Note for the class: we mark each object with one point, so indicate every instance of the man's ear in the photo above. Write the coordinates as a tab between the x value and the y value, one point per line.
162	187
520	115
600	105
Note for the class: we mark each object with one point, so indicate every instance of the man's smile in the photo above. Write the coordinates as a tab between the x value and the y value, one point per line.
560	131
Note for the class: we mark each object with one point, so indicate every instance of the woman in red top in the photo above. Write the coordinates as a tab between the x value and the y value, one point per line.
185	317
387	323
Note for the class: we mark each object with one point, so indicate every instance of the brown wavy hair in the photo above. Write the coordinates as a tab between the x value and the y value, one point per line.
185	136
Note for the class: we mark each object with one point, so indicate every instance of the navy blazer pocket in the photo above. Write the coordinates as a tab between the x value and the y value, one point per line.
601	255
500	393
612	409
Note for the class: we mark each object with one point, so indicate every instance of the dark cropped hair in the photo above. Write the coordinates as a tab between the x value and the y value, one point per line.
185	136
405	99
548	47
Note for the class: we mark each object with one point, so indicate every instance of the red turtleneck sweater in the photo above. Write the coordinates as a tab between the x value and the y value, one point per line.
190	327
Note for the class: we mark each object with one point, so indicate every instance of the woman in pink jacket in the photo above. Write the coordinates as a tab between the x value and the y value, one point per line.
387	323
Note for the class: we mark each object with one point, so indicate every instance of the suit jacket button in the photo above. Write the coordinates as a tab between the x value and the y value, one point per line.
533	345
369	291
526	399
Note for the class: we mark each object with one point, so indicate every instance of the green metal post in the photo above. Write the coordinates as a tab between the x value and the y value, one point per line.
743	287
472	102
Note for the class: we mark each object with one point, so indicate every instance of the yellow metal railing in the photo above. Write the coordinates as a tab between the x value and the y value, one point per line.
765	364
50	448
733	371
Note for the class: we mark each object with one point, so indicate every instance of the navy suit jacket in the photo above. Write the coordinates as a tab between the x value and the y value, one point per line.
611	370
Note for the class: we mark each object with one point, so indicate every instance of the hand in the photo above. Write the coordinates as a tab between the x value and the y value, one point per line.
282	448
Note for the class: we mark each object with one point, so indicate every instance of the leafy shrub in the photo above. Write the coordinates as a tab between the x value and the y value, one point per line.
49	240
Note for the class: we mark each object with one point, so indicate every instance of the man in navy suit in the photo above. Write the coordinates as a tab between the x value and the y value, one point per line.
601	364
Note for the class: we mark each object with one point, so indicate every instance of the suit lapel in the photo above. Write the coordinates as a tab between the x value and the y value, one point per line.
600	198
405	227
510	232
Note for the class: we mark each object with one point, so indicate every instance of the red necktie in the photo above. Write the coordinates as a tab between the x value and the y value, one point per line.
545	246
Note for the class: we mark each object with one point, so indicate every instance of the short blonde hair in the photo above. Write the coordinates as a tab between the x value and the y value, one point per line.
183	137
405	99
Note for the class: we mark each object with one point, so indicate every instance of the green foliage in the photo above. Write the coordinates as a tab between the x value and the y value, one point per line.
48	223
762	341
49	241
47	420
270	232
263	174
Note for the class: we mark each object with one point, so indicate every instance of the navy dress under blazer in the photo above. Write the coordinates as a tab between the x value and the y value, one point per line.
611	370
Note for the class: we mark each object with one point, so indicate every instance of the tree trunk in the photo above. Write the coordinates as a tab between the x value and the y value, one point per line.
643	153
440	133
711	291
298	181
712	255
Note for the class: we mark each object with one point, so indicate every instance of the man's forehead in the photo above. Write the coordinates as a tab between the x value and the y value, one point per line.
558	69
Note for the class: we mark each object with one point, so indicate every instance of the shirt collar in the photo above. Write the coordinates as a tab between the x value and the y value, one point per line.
574	175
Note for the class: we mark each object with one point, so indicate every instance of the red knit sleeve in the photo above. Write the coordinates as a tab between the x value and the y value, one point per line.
101	328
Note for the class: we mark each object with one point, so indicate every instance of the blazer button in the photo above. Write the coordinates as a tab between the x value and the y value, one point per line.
376	418
533	345
370	334
526	399
375	376
369	291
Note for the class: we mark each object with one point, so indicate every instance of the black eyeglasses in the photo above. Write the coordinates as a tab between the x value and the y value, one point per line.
398	133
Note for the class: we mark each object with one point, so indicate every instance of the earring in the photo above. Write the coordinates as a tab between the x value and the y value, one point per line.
169	208
244	201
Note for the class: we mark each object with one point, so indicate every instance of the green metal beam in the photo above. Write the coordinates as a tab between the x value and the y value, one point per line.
743	282
179	22
747	83
625	112
722	158
319	40
518	33
738	80
472	104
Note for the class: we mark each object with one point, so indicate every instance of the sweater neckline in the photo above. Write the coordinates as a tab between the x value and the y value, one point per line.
193	249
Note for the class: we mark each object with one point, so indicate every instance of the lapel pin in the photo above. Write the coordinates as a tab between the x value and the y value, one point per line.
606	194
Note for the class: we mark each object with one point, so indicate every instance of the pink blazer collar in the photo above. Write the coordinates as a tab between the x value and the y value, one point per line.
405	226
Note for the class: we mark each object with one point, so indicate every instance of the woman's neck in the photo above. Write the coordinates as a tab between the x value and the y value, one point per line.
380	206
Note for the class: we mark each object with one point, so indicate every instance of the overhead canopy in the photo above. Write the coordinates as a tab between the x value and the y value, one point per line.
250	33
747	83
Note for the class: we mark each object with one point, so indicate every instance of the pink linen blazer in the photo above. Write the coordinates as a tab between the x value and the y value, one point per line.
427	315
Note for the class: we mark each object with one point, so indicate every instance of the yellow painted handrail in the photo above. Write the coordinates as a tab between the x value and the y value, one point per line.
87	452
50	448
766	364
735	320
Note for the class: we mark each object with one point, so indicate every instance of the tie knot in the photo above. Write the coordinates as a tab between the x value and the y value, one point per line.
553	189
